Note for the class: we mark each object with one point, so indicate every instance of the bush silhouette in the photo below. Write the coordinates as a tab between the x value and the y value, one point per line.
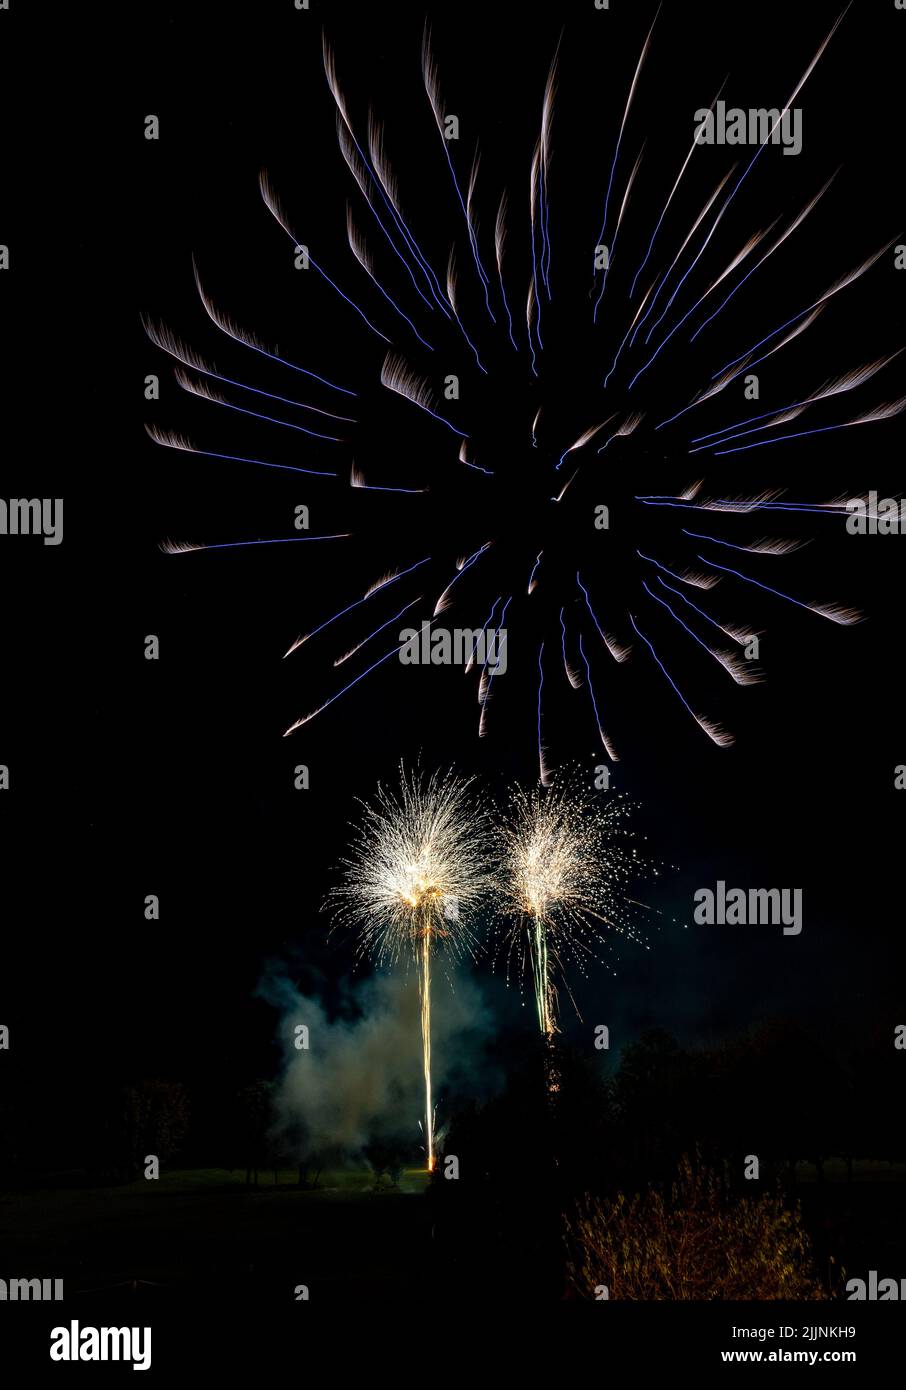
691	1241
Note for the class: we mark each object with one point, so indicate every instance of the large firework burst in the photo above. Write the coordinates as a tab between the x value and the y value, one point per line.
567	860
413	878
622	400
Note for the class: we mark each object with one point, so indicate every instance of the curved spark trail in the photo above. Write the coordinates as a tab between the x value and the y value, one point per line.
570	456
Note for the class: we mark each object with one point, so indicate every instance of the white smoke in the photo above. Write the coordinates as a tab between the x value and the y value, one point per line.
360	1078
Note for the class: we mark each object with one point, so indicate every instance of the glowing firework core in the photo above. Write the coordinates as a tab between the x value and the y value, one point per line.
563	872
416	869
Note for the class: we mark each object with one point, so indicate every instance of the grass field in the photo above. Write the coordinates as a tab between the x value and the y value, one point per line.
204	1232
204	1228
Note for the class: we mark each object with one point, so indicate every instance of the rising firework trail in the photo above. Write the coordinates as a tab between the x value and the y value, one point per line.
566	862
624	392
412	880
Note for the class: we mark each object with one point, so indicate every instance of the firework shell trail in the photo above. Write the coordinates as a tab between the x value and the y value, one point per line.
416	874
566	861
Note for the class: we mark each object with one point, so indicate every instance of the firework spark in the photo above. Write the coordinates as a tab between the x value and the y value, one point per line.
413	879
605	396
566	862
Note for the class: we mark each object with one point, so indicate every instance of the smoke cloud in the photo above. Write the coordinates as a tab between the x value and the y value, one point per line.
360	1080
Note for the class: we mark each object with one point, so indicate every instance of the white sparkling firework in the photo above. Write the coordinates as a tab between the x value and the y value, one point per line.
567	859
413	879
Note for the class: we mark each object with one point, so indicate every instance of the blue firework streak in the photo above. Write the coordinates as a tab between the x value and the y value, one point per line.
596	398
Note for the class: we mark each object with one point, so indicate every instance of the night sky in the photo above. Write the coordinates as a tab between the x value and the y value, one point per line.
132	777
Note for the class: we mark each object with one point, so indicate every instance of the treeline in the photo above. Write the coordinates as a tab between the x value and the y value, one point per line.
774	1093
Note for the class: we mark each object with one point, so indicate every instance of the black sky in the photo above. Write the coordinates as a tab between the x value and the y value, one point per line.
171	777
